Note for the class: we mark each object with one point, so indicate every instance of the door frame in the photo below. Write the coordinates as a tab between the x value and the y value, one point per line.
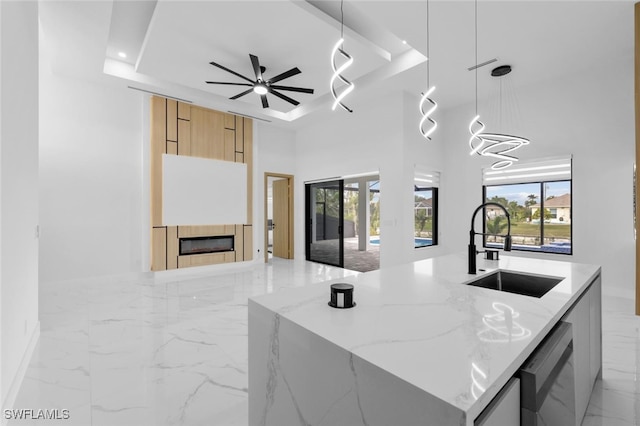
289	178
310	223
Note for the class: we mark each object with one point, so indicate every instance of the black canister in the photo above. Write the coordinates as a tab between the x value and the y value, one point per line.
342	296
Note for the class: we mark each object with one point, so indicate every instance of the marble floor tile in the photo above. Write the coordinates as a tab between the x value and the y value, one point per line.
154	350
165	350
616	398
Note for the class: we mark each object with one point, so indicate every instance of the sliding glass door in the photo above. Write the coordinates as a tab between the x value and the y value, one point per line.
324	219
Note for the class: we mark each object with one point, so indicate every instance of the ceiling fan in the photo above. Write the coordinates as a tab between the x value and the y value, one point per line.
262	86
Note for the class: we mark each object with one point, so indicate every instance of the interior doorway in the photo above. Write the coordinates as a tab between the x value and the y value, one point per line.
278	216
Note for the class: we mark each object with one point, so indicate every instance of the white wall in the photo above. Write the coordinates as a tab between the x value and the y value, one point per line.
91	166
588	115
352	143
92	169
18	192
422	152
381	135
90	177
275	152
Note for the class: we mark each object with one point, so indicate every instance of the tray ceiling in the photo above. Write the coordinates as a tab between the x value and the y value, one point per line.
170	44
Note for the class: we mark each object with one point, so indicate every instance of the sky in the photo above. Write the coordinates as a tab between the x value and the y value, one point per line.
520	191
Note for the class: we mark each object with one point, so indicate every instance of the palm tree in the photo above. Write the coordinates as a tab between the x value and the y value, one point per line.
374	219
500	200
530	201
514	210
420	221
495	226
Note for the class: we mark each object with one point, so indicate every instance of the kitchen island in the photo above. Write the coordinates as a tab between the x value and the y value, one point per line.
420	347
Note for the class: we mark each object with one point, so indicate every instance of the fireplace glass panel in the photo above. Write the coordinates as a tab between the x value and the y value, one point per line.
200	245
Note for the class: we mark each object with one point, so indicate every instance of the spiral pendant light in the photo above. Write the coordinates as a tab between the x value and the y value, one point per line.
347	86
427	124
476	127
495	145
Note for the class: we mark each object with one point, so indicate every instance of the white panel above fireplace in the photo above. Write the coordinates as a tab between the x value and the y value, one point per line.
200	191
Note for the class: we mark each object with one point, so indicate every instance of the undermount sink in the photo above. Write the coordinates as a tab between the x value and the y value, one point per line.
515	282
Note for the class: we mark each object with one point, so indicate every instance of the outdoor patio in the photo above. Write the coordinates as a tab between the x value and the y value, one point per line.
362	261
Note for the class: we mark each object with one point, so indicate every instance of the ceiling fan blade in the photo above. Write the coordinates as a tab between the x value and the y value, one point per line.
285	97
293	89
227	83
265	103
256	66
242	94
232	72
286	74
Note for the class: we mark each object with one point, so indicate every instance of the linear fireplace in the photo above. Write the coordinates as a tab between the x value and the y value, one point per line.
202	245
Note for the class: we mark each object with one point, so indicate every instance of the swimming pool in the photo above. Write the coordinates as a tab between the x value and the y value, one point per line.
419	242
555	247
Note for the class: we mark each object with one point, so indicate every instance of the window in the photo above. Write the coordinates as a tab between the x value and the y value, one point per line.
425	208
538	199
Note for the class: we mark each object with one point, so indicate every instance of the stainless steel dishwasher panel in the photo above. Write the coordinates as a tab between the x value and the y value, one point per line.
547	381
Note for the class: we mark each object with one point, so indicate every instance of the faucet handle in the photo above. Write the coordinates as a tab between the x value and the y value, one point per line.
491	254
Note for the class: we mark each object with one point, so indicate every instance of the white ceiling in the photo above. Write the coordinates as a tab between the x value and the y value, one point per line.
170	44
185	38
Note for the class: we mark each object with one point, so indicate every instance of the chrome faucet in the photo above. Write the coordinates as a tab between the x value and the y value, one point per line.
473	233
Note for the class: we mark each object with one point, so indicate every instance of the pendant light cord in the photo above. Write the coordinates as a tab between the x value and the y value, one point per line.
341	19
476	49
500	110
428	42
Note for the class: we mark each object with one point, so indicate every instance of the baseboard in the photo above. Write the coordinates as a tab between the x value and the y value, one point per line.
12	394
125	276
197	271
161	276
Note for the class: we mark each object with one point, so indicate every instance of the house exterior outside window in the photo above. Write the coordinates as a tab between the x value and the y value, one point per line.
537	196
559	208
425	207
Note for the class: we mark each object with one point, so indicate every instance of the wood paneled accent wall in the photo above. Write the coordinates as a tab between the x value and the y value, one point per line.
182	129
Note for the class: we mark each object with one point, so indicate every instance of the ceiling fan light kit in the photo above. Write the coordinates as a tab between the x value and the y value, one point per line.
260	89
261	86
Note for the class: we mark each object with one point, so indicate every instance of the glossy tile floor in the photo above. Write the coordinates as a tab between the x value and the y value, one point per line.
173	351
616	398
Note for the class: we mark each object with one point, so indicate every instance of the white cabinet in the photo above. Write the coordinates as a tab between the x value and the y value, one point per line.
578	316
504	409
585	317
596	328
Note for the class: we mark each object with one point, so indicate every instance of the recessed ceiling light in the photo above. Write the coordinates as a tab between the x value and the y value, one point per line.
404	41
122	55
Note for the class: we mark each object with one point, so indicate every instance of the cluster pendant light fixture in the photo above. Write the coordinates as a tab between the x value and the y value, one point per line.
347	86
499	146
427	124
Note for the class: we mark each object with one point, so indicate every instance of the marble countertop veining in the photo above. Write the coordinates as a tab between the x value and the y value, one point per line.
421	323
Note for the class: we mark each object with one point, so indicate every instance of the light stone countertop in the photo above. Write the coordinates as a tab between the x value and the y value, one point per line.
421	323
